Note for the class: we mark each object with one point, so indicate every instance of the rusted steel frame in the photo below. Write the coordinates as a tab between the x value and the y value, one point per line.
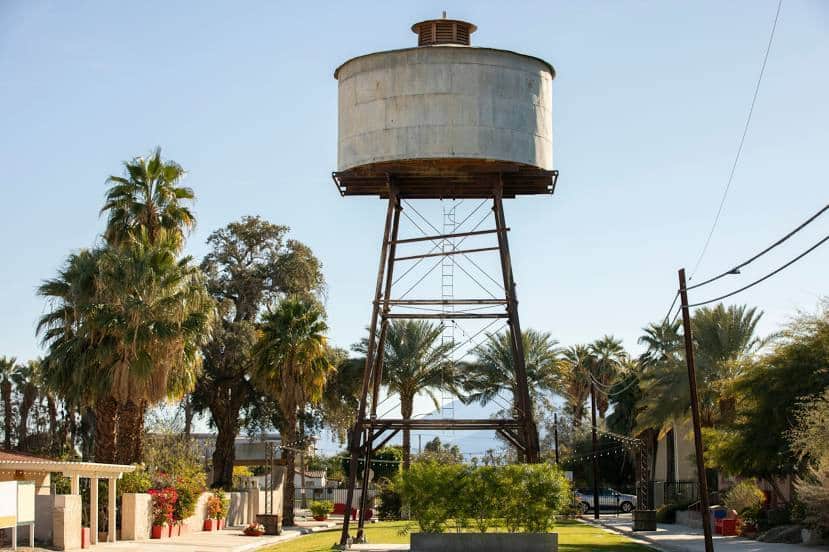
448	236
357	430
386	439
445	315
379	354
403	302
447	253
530	436
512	438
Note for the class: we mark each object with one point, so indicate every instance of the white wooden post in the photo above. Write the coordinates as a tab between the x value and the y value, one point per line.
74	483
111	508
93	510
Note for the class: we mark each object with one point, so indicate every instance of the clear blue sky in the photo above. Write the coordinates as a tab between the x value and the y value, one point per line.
649	103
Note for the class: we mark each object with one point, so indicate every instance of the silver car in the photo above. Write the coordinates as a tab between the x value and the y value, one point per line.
609	500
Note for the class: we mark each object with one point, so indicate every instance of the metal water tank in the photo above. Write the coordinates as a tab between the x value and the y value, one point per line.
444	105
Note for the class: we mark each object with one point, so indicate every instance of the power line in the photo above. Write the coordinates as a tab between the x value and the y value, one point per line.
766	277
742	141
736	269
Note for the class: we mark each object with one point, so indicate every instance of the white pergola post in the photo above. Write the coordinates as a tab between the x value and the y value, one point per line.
75	483
93	510
111	508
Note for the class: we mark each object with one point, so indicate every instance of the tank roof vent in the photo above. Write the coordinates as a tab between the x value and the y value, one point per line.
433	32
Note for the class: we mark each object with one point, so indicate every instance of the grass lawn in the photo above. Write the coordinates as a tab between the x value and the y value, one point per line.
573	536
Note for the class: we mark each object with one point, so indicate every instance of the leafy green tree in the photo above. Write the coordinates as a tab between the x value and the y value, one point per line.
293	364
810	441
251	265
415	361
148	203
767	393
385	463
445	453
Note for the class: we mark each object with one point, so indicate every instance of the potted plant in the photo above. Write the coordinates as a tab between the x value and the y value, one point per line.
321	508
216	510
188	487
162	511
255	530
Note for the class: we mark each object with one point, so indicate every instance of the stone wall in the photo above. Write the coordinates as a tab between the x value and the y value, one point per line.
136	516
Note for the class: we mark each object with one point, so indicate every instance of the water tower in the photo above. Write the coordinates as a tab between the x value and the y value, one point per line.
442	121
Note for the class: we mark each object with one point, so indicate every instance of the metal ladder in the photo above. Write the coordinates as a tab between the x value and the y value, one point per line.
447	283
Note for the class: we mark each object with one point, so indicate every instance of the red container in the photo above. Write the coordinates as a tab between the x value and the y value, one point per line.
210	525
159	532
221	524
85	537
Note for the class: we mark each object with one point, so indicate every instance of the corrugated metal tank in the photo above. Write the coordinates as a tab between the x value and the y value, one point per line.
445	100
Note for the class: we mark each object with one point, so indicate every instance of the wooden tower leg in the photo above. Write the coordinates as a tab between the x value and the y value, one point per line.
356	439
529	429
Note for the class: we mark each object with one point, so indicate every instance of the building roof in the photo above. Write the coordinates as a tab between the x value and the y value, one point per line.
12	461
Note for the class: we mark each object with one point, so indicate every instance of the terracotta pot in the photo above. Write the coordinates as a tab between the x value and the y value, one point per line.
159	532
320	518
210	525
221	524
86	541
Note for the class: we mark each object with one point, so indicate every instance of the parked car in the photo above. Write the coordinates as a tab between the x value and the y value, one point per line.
609	499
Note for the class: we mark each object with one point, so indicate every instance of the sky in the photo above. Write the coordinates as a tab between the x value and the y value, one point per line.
649	103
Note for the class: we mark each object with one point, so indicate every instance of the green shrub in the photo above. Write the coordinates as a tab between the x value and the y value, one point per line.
321	508
138	481
390	502
519	497
744	496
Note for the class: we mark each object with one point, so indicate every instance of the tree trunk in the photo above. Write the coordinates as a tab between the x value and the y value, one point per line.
55	443
26	403
106	428
406	408
187	403
287	433
6	391
130	431
224	455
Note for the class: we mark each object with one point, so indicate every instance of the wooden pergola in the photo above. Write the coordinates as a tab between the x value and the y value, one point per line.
21	464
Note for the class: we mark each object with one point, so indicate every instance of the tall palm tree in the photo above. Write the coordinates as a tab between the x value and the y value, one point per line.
124	331
608	357
8	367
148	202
415	361
493	370
26	380
574	367
293	364
723	336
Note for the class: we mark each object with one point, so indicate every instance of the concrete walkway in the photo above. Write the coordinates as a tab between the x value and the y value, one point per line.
227	540
679	538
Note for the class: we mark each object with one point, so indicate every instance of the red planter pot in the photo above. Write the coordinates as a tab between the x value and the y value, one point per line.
160	532
86	541
320	518
210	525
221	524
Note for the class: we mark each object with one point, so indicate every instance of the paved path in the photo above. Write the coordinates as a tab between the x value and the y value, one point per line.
679	538
227	540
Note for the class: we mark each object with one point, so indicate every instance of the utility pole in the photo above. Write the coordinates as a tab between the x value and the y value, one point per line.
692	384
555	433
595	458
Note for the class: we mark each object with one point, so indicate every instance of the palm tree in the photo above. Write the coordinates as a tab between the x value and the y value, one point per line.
493	370
415	361
605	366
293	364
124	332
148	202
26	380
722	339
575	365
8	367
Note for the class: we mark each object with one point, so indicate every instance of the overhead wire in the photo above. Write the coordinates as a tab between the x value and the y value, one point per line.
736	269
742	142
764	278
